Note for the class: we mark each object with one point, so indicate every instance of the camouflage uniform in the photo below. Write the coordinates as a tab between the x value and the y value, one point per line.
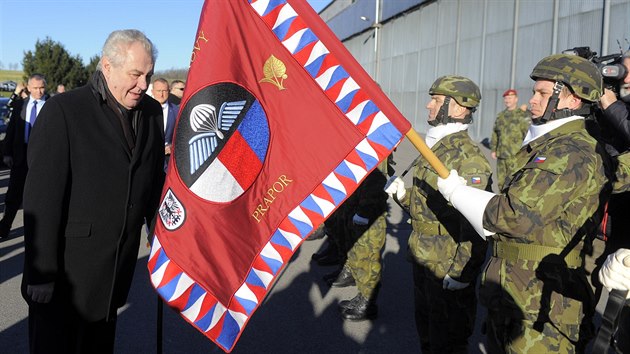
508	133
536	298
535	285
443	242
366	241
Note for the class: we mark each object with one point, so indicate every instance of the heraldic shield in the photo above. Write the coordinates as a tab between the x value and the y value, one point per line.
222	139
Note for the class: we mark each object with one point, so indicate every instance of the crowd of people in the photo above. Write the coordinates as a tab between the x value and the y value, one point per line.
99	153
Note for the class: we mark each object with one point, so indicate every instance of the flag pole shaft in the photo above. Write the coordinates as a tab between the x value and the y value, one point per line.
417	141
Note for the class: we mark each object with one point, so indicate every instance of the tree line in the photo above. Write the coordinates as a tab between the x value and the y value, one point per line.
51	59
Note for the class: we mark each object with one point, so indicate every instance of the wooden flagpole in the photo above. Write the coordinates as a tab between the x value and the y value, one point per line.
426	152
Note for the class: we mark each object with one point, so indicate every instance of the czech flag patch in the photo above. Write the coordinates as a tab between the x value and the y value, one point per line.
475	180
540	159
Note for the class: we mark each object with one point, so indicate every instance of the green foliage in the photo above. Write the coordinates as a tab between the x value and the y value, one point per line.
172	74
52	60
91	67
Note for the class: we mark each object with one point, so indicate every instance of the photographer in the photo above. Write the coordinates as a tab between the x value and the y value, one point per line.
615	111
614	121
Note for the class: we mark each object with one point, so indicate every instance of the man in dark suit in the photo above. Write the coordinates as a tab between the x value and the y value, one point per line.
177	92
23	116
169	114
96	160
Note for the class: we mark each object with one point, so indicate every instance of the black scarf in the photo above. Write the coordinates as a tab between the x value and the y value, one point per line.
128	118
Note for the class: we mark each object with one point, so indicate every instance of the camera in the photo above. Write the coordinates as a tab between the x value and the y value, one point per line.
611	66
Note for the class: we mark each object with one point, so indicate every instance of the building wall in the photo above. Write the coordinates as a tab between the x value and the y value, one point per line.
496	43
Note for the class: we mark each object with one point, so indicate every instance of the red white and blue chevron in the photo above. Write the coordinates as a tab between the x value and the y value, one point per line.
224	321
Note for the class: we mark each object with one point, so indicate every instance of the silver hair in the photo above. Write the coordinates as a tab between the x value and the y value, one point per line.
118	41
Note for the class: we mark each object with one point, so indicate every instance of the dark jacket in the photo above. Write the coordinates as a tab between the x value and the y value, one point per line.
14	144
173	109
86	198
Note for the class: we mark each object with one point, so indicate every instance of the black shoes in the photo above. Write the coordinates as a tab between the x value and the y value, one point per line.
317	234
4	231
344	279
327	257
358	309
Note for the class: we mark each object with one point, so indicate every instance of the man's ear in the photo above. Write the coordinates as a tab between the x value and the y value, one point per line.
575	102
106	66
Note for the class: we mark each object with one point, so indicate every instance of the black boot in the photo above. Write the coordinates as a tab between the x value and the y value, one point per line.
332	276
362	309
330	250
346	304
344	279
317	234
4	230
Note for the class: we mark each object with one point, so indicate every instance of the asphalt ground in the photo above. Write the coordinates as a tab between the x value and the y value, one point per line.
299	315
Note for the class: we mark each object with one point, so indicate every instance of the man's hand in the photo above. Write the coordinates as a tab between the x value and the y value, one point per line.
8	160
615	273
41	293
167	149
607	98
447	186
395	185
19	88
494	155
451	284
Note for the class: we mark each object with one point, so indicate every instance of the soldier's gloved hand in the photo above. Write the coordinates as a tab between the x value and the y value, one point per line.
451	284
447	186
615	273
395	185
359	220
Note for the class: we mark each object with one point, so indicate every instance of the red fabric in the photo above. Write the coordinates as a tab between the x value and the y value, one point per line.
218	243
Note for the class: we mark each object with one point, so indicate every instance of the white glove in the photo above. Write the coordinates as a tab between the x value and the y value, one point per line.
451	284
615	273
447	186
359	220
395	185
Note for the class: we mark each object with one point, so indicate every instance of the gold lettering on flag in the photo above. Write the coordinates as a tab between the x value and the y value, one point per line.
276	188
275	72
197	46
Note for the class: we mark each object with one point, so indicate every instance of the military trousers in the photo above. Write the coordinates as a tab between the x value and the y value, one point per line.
364	256
444	318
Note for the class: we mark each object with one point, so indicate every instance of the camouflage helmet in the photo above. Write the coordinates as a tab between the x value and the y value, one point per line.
460	88
579	74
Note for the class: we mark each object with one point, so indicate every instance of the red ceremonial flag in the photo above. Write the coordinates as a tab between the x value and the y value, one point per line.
277	127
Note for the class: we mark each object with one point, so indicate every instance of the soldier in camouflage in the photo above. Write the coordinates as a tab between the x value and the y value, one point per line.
364	241
535	286
508	133
445	252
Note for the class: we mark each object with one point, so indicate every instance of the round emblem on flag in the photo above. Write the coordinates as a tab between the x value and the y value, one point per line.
221	142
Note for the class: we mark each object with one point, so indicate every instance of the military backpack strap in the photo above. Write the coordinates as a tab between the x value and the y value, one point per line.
610	321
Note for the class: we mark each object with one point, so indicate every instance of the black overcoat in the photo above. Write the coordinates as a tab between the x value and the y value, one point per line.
86	199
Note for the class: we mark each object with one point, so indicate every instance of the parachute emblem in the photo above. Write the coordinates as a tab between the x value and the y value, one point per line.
210	126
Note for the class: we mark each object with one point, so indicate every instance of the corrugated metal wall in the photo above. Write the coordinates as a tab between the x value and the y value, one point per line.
494	42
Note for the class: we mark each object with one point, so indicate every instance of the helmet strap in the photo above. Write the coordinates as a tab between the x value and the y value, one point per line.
442	114
443	117
552	106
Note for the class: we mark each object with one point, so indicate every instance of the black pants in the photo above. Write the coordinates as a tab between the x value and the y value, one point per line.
15	192
57	328
444	318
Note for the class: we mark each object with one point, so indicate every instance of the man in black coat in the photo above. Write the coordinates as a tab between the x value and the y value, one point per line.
24	112
95	175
